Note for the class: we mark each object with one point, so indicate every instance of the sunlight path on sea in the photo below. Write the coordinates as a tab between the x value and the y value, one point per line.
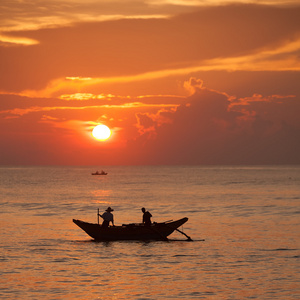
248	216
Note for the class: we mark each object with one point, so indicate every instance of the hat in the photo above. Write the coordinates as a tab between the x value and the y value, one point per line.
109	209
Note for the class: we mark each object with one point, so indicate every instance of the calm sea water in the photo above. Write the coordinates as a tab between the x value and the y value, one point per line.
248	216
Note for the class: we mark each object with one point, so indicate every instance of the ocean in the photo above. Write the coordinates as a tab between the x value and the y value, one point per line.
244	222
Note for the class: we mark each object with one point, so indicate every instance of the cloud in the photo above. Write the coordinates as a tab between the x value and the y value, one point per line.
221	2
85	106
35	109
6	40
207	127
148	122
143	50
283	58
28	15
211	130
81	96
193	85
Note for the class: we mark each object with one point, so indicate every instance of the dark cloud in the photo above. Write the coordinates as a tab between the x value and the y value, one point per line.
207	129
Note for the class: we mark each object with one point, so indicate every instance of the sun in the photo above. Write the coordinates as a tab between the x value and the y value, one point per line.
101	132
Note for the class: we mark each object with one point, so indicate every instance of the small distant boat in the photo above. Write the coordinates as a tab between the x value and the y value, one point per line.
99	173
157	231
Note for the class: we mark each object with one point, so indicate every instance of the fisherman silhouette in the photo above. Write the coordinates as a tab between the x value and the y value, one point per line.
146	217
107	217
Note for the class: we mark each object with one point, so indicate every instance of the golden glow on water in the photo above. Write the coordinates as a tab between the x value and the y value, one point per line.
101	196
251	246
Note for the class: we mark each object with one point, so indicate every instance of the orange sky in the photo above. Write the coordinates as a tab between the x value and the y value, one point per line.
178	82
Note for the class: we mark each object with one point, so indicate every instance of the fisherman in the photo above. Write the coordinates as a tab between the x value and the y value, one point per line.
146	217
107	217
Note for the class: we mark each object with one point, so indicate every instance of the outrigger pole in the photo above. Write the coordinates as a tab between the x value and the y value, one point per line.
188	238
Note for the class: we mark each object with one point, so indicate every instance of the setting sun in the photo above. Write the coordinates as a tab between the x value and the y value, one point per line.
101	132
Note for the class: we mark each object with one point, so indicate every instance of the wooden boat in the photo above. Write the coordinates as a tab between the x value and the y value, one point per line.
99	173
157	231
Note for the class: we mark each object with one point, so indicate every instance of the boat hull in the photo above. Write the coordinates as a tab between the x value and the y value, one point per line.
99	173
157	231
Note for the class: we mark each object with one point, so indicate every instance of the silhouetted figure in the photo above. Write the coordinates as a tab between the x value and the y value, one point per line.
107	217
146	217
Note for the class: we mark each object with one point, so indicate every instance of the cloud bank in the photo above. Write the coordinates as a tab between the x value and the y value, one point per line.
208	85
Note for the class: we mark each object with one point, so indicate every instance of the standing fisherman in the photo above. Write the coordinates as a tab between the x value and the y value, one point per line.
107	217
146	217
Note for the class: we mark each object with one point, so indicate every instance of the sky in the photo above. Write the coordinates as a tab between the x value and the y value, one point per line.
178	82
